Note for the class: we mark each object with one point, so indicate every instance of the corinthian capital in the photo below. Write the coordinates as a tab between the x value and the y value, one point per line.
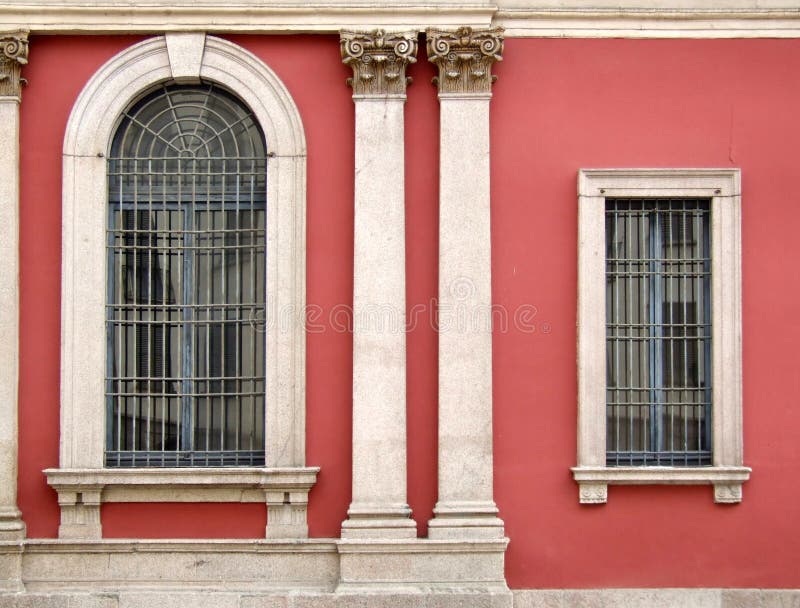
465	58
13	55
379	61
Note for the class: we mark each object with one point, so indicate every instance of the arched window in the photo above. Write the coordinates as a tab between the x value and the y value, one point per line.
183	287
186	282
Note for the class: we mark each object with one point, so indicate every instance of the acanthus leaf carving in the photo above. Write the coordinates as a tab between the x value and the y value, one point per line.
378	60
465	57
13	55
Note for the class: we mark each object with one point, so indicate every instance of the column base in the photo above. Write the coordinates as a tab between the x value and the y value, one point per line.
11	525
386	522
465	520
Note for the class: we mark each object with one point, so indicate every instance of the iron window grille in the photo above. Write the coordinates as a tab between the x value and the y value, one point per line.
186	286
658	332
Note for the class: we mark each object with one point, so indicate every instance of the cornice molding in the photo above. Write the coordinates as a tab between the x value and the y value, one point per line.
520	18
13	55
465	58
379	60
216	16
604	22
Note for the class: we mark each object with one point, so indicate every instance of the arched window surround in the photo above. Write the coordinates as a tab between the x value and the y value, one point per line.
81	480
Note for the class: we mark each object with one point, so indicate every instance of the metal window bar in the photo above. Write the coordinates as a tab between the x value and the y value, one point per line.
658	332
186	287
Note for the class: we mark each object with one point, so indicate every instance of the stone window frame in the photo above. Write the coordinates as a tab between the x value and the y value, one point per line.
723	188
82	481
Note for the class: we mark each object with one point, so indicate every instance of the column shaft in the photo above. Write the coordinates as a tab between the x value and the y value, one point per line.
465	299
13	54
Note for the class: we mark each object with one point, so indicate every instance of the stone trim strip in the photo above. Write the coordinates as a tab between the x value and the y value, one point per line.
72	16
727	481
241	597
652	598
555	22
82	491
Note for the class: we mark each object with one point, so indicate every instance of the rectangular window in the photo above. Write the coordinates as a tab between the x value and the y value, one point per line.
658	332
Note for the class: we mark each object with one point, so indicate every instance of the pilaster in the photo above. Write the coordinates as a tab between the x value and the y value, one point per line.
465	507
379	507
13	55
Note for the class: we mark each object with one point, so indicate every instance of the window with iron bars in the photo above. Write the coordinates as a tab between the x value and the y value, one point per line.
658	332
186	286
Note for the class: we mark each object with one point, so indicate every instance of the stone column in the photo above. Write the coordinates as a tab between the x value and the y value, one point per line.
379	507
13	55
465	507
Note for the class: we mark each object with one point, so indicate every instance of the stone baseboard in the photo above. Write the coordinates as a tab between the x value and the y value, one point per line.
230	570
523	598
657	598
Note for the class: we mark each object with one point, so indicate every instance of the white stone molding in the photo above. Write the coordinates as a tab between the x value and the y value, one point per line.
723	188
379	506
89	131
81	491
13	55
741	19
727	481
465	507
520	18
251	16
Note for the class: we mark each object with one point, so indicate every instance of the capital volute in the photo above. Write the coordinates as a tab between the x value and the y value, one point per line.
465	57
378	60
13	55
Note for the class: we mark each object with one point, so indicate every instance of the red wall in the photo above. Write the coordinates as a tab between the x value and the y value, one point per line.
559	105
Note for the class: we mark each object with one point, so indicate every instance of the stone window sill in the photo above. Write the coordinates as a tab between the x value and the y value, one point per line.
82	491
594	481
